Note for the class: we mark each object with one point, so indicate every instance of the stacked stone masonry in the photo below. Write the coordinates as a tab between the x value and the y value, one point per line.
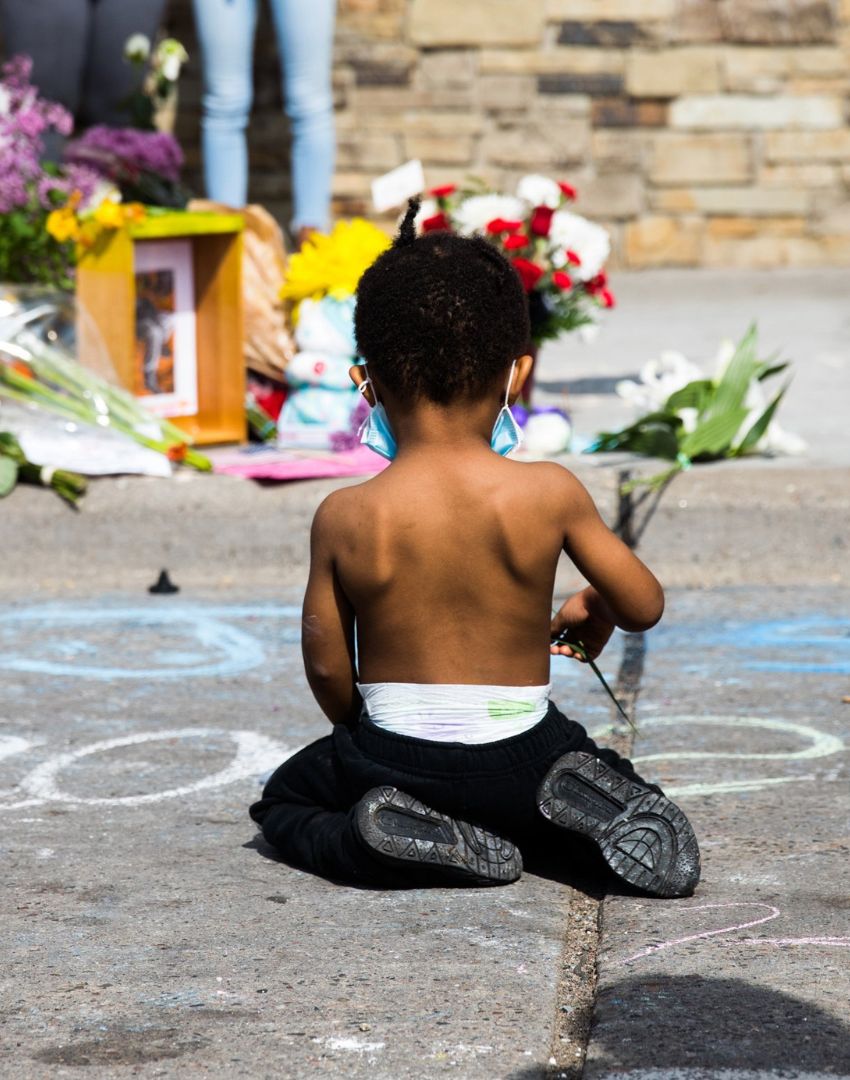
700	132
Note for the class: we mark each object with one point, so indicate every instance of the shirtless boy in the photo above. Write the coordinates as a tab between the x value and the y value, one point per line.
427	617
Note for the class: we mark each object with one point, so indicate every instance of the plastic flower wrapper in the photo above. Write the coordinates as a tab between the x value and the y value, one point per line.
692	418
38	366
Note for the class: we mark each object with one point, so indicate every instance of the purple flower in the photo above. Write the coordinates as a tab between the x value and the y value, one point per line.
24	184
116	151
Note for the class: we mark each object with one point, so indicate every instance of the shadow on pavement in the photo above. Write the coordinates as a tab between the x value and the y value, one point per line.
682	1021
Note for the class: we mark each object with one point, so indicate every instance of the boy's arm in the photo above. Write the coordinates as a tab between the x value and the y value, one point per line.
327	627
622	592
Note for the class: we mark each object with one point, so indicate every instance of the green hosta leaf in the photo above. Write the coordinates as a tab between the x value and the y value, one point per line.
760	426
696	395
8	475
713	436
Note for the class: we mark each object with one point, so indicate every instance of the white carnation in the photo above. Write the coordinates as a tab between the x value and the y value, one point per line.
539	191
572	232
137	48
472	215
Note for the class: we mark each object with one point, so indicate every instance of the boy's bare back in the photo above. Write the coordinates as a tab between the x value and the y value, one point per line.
447	559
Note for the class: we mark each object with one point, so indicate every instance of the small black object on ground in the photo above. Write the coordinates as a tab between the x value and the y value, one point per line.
163	586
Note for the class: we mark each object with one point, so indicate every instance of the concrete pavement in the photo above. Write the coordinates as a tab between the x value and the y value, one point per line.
147	932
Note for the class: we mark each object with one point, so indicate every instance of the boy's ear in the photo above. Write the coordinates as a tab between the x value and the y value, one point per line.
522	370
361	380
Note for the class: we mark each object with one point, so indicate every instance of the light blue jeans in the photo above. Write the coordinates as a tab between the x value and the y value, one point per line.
305	30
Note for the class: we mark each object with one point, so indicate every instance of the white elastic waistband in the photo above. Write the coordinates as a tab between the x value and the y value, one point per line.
449	712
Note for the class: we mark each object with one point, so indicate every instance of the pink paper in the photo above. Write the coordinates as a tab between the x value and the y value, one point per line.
266	464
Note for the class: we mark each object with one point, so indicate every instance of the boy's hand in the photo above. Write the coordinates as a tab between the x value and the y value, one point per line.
584	618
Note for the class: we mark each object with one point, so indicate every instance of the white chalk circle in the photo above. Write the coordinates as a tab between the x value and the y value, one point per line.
816	744
217	648
254	755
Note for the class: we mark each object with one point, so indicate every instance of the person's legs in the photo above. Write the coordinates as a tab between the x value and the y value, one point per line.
306	814
109	78
55	34
305	31
332	810
226	36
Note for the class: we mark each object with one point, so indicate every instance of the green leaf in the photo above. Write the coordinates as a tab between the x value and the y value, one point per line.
732	388
713	436
695	395
760	426
772	369
8	475
654	435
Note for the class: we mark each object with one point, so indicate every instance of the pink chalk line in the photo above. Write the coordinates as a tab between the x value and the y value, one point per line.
773	913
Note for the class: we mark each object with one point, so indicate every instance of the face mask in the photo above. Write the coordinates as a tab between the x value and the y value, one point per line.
507	434
375	431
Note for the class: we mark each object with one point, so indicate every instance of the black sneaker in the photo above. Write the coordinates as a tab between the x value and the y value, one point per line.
645	839
402	831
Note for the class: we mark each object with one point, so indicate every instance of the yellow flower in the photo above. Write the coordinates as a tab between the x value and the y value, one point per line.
109	215
63	225
332	265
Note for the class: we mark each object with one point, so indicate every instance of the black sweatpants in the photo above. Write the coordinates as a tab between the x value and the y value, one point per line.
307	808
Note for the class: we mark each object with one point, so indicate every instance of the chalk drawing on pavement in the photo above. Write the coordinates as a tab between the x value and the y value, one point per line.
810	645
733	928
254	754
174	642
816	744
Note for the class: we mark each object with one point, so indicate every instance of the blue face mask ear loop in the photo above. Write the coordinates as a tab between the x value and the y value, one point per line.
507	434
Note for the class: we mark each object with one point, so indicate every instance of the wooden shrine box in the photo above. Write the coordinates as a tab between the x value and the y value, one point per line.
162	298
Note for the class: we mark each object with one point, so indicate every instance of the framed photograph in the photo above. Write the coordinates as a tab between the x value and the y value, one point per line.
161	300
165	367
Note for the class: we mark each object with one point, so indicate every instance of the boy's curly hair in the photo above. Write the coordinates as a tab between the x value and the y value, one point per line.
440	316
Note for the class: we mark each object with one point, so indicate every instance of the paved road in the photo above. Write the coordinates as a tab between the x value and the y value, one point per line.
149	934
145	926
741	715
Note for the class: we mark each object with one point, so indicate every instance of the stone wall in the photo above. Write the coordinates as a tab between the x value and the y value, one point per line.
701	132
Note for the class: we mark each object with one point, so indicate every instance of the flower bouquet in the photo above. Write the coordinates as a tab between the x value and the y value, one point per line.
30	189
692	418
558	254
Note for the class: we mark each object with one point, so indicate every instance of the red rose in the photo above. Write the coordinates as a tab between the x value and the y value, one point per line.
541	220
598	282
562	280
500	225
606	298
442	192
530	273
567	190
515	241
437	223
573	257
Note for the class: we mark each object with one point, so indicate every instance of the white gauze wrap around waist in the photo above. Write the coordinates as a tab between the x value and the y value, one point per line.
448	712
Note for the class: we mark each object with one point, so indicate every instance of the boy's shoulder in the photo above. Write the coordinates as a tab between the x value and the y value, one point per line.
548	479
